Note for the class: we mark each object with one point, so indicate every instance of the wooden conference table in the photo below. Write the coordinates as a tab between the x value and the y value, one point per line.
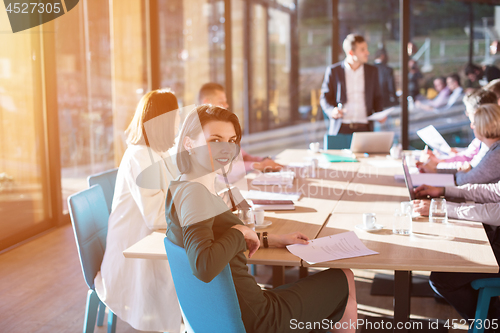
334	202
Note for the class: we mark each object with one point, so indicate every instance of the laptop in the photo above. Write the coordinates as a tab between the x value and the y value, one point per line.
372	142
408	180
411	186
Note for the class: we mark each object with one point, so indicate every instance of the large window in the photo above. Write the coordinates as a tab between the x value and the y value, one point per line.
24	181
191	46
84	94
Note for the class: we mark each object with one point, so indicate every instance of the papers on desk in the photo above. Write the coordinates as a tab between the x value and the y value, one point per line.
261	195
273	204
381	115
334	247
271	201
275	178
433	139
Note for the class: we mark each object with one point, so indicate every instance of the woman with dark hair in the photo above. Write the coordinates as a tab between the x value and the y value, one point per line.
199	221
141	292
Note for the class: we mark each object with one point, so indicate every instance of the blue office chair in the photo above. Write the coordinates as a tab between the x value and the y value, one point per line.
339	141
107	180
89	217
205	306
488	288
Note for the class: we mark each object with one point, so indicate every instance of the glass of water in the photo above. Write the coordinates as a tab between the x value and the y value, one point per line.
401	224
437	211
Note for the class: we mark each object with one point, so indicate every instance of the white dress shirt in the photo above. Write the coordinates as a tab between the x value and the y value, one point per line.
486	208
139	291
355	108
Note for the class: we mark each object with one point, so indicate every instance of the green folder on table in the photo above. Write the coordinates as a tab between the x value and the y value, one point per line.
339	158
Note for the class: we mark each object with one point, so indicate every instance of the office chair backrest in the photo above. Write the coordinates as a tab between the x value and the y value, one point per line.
206	306
89	217
107	180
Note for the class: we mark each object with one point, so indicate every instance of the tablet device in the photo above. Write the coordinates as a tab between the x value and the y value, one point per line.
372	142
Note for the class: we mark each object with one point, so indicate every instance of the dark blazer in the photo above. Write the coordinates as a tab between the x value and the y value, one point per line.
333	91
387	85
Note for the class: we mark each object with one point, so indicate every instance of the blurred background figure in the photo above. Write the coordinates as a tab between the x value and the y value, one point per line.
474	73
414	77
443	94
492	72
457	92
386	79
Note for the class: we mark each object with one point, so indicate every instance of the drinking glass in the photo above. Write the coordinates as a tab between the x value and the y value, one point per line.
437	211
401	225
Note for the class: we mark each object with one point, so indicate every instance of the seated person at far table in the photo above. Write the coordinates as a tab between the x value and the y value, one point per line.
213	93
455	287
474	152
440	100
200	222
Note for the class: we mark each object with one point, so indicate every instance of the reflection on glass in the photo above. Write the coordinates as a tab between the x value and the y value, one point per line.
279	60
237	59
191	46
258	57
84	94
23	185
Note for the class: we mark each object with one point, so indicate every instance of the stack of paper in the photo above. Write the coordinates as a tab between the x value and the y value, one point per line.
340	246
261	195
275	178
273	204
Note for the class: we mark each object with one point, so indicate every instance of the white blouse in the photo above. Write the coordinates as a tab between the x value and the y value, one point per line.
139	291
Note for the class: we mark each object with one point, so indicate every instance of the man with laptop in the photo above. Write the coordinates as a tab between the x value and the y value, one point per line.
350	90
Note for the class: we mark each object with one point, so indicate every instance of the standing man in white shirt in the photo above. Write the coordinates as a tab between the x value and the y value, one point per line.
350	91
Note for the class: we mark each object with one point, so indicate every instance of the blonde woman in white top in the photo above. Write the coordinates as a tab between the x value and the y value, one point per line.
141	292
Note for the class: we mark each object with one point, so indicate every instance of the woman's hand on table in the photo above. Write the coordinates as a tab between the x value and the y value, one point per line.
251	238
422	207
426	190
287	239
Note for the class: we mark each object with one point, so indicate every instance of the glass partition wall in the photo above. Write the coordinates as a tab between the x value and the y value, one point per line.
69	88
25	182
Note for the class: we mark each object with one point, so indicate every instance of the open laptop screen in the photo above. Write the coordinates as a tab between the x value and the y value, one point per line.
408	181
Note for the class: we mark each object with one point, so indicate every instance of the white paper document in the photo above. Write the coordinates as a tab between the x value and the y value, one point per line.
433	179
381	115
433	139
334	247
274	178
261	195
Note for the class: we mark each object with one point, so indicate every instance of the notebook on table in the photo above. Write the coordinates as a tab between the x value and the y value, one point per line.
273	204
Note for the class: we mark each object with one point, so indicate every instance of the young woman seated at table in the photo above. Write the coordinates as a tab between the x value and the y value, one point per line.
199	221
455	287
141	292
